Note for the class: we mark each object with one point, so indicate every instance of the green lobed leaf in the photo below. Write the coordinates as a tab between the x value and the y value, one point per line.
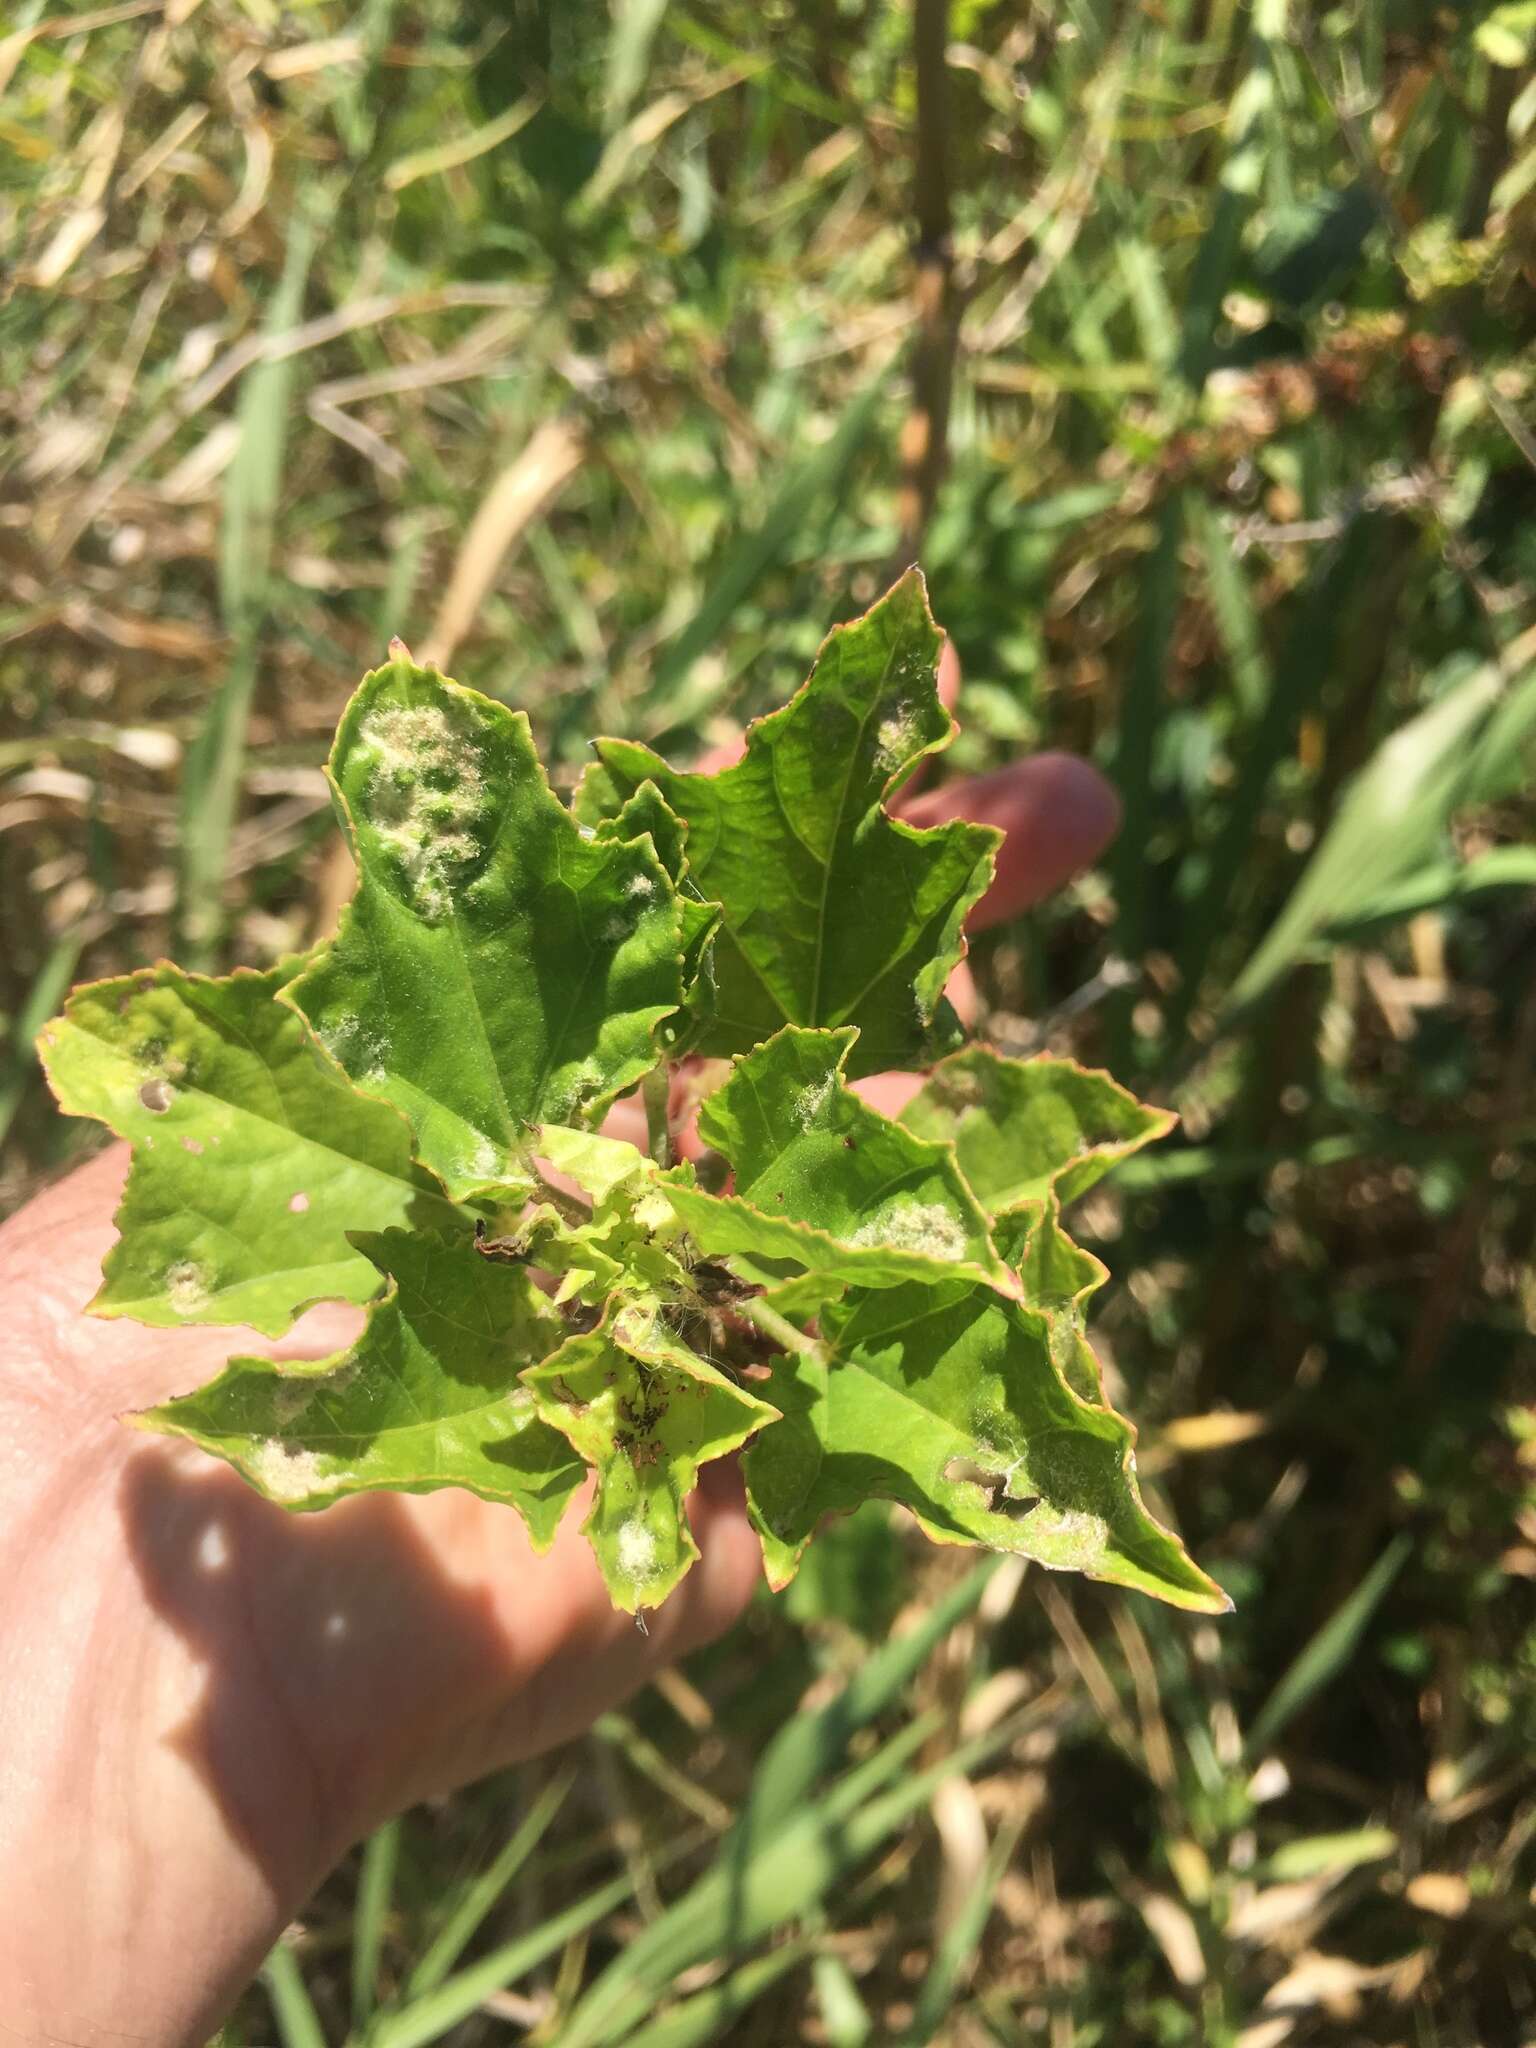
947	1399
253	1158
832	912
597	1164
642	1407
646	814
499	967
426	1397
1023	1129
1058	1278
628	1238
824	1180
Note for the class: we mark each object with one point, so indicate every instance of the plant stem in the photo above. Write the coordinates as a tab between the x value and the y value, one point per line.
562	1201
925	436
655	1091
782	1331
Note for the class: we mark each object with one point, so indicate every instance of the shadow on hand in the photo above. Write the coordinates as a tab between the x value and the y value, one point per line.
328	1647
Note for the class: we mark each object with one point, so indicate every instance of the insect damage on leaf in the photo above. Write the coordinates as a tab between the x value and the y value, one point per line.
425	792
495	970
406	1120
428	1396
230	1109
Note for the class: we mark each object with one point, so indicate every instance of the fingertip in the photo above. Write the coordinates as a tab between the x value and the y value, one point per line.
730	1556
949	675
889	1093
1084	795
960	991
721	756
1057	814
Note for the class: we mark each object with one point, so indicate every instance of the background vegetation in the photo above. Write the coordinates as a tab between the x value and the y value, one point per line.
577	346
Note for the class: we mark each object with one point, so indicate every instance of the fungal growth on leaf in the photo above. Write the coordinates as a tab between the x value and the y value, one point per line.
409	1119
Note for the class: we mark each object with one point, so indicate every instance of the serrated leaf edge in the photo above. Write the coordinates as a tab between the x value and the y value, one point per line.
1007	1285
1112	1150
1213	1601
150	977
159	1420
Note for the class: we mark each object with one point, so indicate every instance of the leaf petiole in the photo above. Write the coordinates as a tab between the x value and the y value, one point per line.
655	1093
781	1331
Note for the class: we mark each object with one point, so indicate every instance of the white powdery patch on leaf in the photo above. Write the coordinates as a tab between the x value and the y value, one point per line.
1080	1535
636	1550
425	794
895	737
914	1227
360	1048
563	1104
290	1397
293	1393
186	1287
810	1102
483	1162
284	1471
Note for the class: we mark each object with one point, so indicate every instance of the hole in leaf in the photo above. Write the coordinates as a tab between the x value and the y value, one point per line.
297	1204
963	1471
157	1096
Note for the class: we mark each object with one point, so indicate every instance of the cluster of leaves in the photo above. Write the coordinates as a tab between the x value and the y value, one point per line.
408	1118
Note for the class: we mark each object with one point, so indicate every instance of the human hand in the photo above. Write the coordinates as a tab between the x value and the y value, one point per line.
205	1700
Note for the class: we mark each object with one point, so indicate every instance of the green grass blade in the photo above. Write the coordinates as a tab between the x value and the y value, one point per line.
1139	719
812	1745
699	2020
959	1943
392	614
1251	128
1329	1650
760	1884
1233	608
47	992
1330	1855
1303	670
635	23
755	552
1390	821
1439	886
375	1893
429	2018
844	2015
481	1895
211	778
1154	312
753	1886
293	2011
1500	762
